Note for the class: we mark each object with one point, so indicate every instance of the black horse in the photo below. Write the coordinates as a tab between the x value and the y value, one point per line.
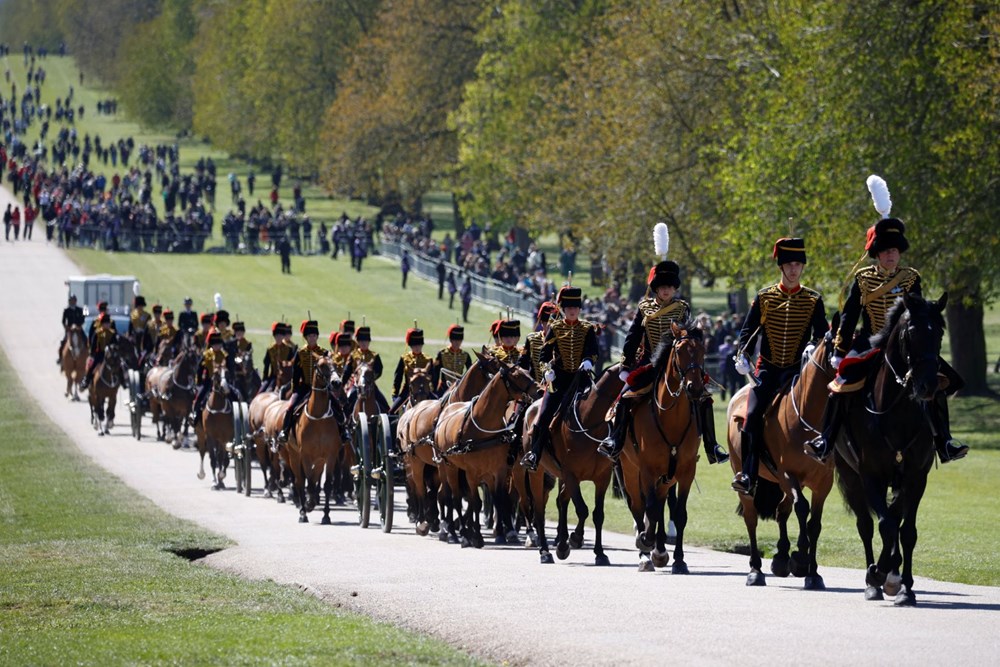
889	443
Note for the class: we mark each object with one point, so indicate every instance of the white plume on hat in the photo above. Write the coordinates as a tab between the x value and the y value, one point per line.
218	301
661	239
135	288
880	195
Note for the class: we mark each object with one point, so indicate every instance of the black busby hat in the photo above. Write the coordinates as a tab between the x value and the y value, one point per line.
347	326
222	316
239	326
343	339
309	327
105	317
789	250
276	328
140	301
214	337
570	297
363	334
664	273
102	306
884	234
157	308
456	332
414	337
510	328
168	314
206	318
285	328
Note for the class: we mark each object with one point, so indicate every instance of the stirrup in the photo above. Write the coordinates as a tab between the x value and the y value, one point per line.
716	454
743	485
530	461
609	448
818	448
952	450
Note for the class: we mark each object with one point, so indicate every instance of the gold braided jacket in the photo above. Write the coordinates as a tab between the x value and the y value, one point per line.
210	359
507	356
785	318
453	360
364	356
226	333
867	281
533	344
656	321
307	360
102	337
340	362
167	331
139	319
277	353
412	362
569	340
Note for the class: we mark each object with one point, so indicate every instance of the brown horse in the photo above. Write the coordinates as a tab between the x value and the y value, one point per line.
664	447
790	421
475	438
270	464
171	392
415	440
576	431
315	445
214	429
74	359
108	378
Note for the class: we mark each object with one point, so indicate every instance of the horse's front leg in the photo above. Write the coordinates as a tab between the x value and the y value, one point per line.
800	562
814	582
886	567
600	491
582	512
679	515
910	497
568	487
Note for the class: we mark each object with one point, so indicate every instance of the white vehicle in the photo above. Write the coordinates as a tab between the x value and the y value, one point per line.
116	290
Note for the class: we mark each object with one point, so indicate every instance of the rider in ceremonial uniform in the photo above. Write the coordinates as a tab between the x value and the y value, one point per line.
187	320
785	317
201	336
509	333
409	362
138	328
453	360
221	323
531	355
302	373
659	309
155	323
874	290
365	355
72	314
278	353
347	327
495	333
342	345
102	309
570	347
213	357
168	331
239	343
104	336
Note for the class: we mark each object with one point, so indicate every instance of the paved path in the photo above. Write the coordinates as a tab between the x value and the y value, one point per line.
499	603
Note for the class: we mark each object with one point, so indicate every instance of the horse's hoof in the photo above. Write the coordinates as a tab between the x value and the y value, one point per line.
756	578
893	584
646	565
547	559
422	528
500	539
645	543
530	541
659	558
873	577
779	565
452	538
466	543
435	526
303	518
99	432
814	582
512	537
281	500
201	475
799	564
602	560
575	541
679	567
905	598
326	520
562	551
443	535
478	542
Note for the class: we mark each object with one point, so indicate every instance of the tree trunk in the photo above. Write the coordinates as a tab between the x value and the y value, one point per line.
459	221
968	341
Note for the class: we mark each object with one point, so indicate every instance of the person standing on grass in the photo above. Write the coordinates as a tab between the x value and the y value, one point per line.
404	266
285	249
466	295
441	271
452	288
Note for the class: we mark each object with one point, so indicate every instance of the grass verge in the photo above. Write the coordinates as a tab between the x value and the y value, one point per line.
90	577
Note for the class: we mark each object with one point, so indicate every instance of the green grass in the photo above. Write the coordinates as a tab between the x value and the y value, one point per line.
89	577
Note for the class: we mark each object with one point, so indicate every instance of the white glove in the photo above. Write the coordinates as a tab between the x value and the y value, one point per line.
835	361
587	365
623	376
742	364
550	375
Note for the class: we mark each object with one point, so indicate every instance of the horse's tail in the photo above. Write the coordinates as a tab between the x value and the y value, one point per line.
850	488
766	500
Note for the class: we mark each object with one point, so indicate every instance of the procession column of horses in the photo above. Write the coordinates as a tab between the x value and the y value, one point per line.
492	436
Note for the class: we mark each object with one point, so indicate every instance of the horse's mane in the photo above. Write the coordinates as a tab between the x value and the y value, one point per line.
917	304
662	352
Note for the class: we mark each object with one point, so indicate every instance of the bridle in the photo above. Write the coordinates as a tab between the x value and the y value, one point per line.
682	373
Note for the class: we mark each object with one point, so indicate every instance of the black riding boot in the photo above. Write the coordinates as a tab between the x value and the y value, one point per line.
539	438
833	415
623	416
745	482
948	449
706	427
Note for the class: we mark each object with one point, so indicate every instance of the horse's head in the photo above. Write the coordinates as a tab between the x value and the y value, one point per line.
688	357
219	381
420	386
244	362
517	381
323	372
487	362
363	378
917	342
